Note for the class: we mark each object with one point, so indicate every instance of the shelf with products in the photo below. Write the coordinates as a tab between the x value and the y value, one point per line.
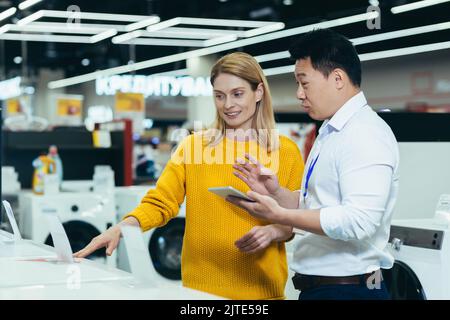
152	149
76	149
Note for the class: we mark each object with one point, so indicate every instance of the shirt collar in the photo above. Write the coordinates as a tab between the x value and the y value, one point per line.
341	117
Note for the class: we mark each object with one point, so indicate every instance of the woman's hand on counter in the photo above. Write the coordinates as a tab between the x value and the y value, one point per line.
109	239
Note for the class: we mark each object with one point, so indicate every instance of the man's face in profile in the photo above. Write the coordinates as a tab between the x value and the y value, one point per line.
314	90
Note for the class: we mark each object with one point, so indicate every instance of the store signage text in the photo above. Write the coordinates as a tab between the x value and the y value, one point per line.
154	85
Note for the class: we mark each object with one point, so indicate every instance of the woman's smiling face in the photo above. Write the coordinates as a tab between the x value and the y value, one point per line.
235	100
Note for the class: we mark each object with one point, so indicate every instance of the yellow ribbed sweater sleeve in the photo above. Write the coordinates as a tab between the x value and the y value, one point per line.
162	203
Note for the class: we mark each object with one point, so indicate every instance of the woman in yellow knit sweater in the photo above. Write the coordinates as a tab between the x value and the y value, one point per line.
225	251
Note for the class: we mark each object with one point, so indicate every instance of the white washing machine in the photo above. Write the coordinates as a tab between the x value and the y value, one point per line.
31	272
25	249
421	248
84	216
164	243
103	290
5	237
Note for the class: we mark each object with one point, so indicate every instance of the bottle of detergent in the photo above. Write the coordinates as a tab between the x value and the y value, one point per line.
53	154
42	165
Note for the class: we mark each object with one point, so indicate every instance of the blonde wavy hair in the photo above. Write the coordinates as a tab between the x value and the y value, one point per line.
246	67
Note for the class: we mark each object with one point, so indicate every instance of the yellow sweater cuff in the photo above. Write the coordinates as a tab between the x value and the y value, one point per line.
145	220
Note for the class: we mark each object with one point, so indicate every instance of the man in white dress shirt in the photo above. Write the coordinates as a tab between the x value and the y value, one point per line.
350	183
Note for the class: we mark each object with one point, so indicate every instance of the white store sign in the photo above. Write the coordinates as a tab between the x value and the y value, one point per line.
154	85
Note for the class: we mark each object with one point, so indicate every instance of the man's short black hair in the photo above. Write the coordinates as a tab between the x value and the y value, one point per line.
328	50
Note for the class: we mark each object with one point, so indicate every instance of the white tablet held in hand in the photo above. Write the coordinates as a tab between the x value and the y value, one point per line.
229	191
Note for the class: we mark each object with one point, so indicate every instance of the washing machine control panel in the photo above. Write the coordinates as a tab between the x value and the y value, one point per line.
416	237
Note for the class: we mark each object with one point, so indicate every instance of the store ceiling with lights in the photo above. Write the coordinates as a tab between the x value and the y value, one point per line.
126	35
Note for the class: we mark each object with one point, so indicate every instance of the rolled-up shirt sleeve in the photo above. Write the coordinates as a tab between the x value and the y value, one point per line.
365	171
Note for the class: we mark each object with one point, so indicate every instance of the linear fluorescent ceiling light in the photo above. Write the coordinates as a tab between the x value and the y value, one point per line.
368	39
167	33
103	35
166	42
273	56
64	25
198	33
142	24
374	56
264	29
178	42
7	13
147	38
32	17
401	33
4	28
44	38
100	32
55	38
90	16
164	24
28	3
206	51
416	5
215	36
404	51
279	70
134	19
65	28
127	36
175	39
219	40
223	22
258	27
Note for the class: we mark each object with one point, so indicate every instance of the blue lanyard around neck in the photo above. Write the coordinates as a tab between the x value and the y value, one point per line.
308	175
